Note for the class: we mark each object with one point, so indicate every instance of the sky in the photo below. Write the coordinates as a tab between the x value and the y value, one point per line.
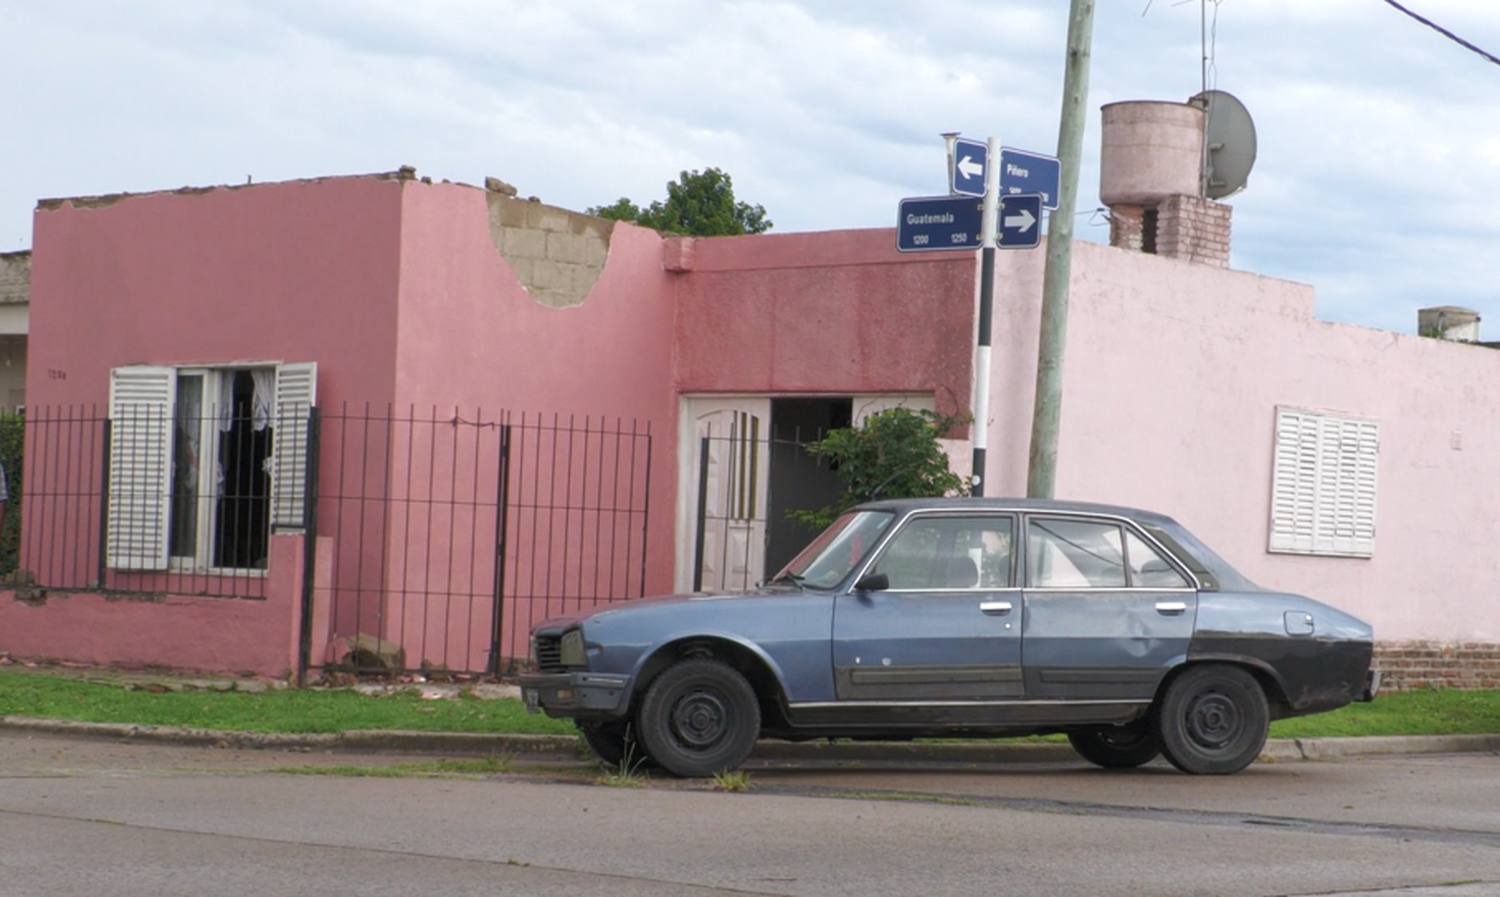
1378	138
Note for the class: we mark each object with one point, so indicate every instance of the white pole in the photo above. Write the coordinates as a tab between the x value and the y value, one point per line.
986	302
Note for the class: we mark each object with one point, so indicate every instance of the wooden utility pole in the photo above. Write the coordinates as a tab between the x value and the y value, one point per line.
1046	418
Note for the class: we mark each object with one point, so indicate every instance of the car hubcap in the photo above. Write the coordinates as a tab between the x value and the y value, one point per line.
698	720
1213	720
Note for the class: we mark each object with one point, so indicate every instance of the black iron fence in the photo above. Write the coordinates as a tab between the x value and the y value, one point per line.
147	503
454	532
451	532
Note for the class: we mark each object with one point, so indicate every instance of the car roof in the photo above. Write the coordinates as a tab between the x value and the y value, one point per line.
903	505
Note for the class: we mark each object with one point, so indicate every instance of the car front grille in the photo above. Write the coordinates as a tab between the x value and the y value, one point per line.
549	653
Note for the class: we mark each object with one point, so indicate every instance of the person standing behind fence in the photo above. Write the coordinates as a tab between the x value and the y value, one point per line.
4	496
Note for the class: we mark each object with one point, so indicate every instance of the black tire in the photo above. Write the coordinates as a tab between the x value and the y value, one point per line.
698	717
1213	720
614	745
1116	747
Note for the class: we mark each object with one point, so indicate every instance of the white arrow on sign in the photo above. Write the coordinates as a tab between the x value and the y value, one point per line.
969	168
1021	222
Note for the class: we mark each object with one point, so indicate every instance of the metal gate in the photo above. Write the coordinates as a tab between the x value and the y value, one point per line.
452	533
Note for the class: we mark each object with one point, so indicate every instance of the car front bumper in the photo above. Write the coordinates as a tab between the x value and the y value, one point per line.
578	694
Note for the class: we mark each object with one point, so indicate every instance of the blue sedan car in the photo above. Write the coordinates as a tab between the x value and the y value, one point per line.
963	618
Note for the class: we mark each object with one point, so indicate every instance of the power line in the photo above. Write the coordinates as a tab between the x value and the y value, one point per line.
1443	31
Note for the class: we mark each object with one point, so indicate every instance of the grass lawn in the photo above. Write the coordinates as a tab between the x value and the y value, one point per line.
289	711
292	711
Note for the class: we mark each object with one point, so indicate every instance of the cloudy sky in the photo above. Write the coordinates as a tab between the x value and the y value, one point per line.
1379	139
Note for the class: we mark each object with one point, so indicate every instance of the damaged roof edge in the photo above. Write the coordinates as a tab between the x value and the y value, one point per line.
404	173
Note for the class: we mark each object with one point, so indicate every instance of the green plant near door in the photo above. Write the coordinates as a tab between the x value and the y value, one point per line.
894	454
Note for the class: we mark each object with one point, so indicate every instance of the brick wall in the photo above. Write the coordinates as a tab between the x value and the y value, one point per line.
1194	230
1463	665
1127	227
1181	227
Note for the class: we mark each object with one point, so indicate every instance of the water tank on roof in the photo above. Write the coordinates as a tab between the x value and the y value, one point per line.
1151	150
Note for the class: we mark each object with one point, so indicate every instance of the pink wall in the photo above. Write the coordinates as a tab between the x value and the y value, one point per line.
294	271
833	313
1172	376
472	341
470	334
225	636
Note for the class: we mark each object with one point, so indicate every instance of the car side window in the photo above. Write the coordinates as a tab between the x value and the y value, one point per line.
1148	569
1074	554
945	553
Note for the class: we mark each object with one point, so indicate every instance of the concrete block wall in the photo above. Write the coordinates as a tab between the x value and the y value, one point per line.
1406	666
558	255
15	277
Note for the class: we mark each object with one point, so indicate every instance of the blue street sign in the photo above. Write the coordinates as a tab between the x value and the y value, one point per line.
966	175
933	223
1026	172
1020	225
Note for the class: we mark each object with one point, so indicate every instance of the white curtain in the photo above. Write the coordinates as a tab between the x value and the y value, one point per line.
262	402
265	396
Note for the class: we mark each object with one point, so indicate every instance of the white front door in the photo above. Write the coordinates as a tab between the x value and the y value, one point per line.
731	550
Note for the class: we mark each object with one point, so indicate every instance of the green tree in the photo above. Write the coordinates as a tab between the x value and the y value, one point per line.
895	454
622	210
701	204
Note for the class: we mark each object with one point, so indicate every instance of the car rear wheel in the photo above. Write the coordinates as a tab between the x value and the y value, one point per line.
1213	720
699	717
614	744
1115	747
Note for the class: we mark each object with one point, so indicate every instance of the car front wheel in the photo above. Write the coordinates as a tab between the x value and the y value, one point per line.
613	744
1115	747
699	717
1213	720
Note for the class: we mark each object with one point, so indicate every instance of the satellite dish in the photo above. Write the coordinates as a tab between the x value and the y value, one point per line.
1229	135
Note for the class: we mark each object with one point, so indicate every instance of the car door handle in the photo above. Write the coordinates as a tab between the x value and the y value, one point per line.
1171	608
995	607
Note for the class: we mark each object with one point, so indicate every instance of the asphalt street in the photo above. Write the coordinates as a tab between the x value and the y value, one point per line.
117	815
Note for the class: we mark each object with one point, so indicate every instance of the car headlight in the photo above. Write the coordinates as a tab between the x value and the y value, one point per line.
571	653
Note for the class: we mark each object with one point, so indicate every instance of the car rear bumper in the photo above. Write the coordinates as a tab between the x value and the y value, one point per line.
577	694
1372	686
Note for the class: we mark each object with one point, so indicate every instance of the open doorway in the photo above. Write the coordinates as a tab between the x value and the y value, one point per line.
799	481
743	466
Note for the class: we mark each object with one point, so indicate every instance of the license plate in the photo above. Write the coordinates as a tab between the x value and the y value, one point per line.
533	699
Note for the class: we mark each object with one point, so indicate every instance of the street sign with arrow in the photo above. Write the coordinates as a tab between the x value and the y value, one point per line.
969	160
1020	221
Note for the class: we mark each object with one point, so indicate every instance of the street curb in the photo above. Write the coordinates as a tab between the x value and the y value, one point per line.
1369	746
362	741
822	751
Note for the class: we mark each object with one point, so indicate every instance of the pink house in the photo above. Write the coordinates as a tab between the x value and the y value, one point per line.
421	320
522	409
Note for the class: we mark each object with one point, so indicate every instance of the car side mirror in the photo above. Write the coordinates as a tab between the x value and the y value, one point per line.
873	582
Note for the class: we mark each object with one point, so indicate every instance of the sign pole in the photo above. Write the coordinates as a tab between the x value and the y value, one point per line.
981	424
1046	417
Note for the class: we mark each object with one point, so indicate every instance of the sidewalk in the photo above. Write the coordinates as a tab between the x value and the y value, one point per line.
465	744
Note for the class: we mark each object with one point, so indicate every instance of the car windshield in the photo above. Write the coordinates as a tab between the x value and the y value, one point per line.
837	550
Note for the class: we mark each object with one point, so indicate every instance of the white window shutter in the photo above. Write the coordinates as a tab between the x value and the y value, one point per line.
296	394
140	467
1323	484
